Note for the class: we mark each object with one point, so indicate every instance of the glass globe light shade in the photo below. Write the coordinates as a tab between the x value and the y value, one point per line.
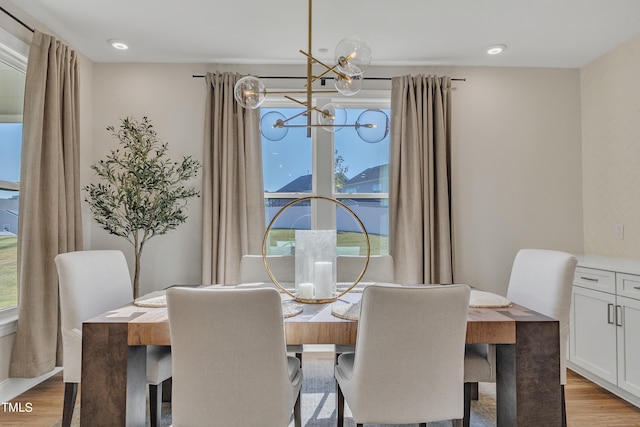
271	126
372	125
332	117
350	83
250	92
352	50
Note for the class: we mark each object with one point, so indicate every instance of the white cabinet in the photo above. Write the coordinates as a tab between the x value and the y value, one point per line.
604	340
593	333
629	345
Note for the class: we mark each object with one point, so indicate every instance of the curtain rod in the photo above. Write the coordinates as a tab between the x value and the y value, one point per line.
18	20
197	76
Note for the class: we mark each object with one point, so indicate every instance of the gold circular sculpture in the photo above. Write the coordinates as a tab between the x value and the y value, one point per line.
287	291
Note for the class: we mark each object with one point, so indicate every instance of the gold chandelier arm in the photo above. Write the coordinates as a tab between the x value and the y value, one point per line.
291	118
312	108
296	101
328	69
355	125
284	92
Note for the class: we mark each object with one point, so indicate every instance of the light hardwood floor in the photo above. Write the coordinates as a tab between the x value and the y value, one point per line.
588	405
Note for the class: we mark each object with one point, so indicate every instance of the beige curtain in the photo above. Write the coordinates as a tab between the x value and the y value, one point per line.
50	220
420	179
232	193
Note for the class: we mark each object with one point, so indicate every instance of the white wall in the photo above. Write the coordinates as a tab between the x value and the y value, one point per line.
516	169
516	160
611	151
174	102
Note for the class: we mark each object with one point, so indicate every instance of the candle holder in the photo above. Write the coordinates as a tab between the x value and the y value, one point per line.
315	259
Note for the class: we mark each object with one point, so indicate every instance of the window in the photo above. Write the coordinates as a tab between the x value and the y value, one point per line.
12	79
339	165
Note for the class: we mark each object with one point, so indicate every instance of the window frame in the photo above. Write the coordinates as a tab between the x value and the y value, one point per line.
323	149
14	53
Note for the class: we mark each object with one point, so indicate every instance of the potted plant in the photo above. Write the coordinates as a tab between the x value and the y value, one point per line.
142	192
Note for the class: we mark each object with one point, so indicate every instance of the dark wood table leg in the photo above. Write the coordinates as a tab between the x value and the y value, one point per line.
113	382
528	391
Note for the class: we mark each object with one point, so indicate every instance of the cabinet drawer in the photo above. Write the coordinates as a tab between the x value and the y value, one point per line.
628	285
591	278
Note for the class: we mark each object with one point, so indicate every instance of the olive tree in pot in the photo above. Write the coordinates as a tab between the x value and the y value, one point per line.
142	193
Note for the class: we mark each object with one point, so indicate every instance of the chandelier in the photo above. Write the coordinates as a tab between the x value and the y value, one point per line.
352	56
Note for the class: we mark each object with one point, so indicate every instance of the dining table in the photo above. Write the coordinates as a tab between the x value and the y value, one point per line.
528	390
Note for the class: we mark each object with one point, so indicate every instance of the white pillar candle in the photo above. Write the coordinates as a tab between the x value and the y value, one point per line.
323	277
305	290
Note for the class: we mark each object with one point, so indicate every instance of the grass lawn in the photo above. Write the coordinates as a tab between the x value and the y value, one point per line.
379	244
8	271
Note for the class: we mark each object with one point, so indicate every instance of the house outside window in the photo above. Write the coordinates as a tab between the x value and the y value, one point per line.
13	62
338	165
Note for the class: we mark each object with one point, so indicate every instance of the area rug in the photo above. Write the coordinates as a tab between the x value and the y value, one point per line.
319	399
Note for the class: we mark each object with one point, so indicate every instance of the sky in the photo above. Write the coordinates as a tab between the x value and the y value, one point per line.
290	157
284	160
10	142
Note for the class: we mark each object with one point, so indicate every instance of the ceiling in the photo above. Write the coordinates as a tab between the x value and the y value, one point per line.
538	33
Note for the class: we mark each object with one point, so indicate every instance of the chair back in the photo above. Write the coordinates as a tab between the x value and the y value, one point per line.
229	358
409	358
542	280
90	283
380	268
252	269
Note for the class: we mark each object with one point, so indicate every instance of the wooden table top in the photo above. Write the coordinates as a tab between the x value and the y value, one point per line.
317	325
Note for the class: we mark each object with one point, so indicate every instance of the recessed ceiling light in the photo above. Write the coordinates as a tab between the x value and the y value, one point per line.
118	44
496	49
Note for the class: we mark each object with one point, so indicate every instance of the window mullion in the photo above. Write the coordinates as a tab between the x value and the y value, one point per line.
323	214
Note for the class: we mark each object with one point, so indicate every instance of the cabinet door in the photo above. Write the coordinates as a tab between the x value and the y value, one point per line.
628	344
593	332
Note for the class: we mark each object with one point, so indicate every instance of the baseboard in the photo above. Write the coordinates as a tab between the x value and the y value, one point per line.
14	387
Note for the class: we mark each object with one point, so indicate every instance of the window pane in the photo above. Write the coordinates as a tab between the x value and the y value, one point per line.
360	166
8	248
281	238
12	81
10	143
374	214
287	162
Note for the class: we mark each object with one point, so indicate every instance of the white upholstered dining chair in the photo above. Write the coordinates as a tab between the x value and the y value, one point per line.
421	383
283	268
230	366
252	269
91	283
380	269
540	280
